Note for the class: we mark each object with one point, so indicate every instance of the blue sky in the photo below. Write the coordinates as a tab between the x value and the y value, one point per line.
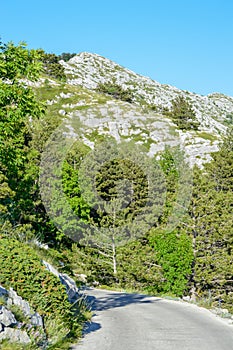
188	44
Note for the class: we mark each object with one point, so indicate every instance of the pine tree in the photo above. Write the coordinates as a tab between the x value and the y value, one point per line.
211	227
183	114
126	201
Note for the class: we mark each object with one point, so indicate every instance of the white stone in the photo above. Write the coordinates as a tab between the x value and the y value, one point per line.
71	288
6	317
20	302
15	336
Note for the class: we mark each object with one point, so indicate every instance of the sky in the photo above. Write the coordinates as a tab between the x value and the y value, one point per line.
187	44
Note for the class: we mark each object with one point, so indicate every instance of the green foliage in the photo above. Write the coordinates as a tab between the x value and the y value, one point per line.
17	62
17	104
51	65
175	256
116	91
7	345
183	114
178	176
71	180
220	169
126	207
88	260
197	255
229	119
66	56
211	228
138	267
6	197
107	186
18	313
22	270
140	264
18	107
20	204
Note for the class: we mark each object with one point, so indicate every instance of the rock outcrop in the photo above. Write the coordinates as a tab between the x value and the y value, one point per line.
71	287
10	327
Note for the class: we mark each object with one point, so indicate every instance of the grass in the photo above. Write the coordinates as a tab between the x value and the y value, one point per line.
19	315
148	143
7	345
53	257
206	136
2	301
46	92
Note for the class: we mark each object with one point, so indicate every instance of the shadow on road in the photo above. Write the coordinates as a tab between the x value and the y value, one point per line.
115	300
91	327
110	300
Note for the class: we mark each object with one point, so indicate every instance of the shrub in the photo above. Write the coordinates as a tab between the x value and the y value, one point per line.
116	91
175	255
22	270
52	67
66	56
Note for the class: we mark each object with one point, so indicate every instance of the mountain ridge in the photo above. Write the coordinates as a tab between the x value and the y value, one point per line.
89	70
142	119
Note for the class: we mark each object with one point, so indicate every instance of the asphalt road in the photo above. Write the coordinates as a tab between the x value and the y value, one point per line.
136	322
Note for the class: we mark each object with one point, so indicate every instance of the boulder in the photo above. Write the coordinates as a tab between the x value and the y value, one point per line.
36	320
6	317
17	300
15	336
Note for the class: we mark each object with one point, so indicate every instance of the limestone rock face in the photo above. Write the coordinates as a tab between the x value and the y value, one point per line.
136	121
89	70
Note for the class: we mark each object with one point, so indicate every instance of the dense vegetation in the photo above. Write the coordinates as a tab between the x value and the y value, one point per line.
22	216
193	259
22	270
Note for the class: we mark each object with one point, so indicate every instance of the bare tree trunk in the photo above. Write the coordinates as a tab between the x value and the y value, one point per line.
114	245
114	258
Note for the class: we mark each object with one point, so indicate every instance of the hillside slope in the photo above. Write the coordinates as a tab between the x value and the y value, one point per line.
88	70
141	120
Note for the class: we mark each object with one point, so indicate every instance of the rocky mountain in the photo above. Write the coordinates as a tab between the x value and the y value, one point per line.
140	119
88	70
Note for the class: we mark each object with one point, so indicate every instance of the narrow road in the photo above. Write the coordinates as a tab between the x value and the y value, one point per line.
136	322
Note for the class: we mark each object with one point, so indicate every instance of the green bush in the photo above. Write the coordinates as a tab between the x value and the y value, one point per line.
51	64
66	56
22	270
175	255
116	91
